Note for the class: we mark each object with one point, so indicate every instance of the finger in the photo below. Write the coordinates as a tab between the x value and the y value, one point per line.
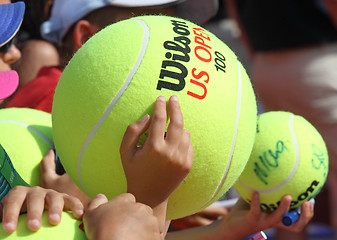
176	125
55	205
307	212
97	201
47	167
48	162
190	155
35	207
255	210
145	207
132	135
75	205
158	123
186	149
12	204
282	209
128	197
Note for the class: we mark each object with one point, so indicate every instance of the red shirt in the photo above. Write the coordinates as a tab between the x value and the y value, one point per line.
38	93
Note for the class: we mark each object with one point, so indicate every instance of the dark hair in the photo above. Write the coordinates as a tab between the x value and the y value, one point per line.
34	16
103	17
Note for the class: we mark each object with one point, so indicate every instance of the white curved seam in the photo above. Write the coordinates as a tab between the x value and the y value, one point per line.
238	109
31	128
297	160
115	99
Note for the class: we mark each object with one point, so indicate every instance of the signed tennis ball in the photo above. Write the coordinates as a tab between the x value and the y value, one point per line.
289	157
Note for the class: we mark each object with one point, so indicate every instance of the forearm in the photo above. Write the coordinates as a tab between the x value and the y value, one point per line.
210	232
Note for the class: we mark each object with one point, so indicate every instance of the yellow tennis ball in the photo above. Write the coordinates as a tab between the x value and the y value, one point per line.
114	79
68	228
26	136
289	157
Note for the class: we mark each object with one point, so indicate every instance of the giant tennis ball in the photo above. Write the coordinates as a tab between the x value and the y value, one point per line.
289	157
26	136
68	229
114	80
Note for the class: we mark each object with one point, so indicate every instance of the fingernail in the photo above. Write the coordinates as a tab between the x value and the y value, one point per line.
312	207
100	195
80	212
9	227
146	117
34	224
161	98
55	217
174	98
290	198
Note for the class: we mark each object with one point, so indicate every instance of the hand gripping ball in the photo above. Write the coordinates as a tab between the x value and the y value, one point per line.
114	79
289	157
68	228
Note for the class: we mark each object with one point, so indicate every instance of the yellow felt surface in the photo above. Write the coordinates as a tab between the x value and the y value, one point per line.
20	140
273	160
68	229
98	70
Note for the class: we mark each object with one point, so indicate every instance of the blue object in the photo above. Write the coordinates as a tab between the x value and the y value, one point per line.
290	217
293	215
11	16
58	165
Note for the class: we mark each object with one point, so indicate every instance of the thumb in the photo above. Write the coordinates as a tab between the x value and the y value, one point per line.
97	201
47	165
132	135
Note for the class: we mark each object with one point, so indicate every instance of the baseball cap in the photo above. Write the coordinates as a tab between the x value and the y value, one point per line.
9	81
65	13
11	16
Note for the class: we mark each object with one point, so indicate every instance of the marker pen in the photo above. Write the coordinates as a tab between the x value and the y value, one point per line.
293	215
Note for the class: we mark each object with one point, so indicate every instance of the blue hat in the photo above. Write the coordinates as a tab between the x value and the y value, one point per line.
11	16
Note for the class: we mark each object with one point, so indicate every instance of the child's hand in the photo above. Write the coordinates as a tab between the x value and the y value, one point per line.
120	218
60	183
34	200
244	220
156	169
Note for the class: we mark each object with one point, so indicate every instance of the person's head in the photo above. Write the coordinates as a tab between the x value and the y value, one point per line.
72	23
11	16
36	13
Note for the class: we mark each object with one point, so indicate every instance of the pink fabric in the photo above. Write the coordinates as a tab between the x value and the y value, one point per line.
39	93
9	81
